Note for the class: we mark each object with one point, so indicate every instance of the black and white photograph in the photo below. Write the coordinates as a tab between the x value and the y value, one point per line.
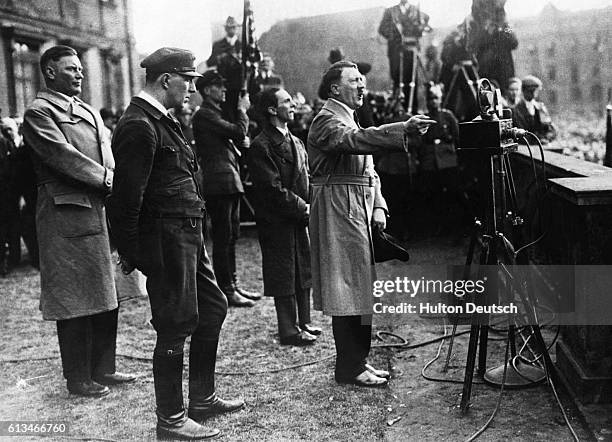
272	220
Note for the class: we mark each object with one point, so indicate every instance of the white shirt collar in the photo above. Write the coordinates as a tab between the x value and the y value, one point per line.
531	106
231	40
348	109
403	8
282	130
153	102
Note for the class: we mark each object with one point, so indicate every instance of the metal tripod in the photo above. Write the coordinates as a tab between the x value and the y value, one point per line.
497	258
417	65
465	78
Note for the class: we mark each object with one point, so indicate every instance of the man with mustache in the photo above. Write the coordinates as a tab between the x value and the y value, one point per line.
346	204
74	169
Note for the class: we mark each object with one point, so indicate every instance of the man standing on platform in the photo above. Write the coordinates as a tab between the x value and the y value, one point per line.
216	142
403	25
226	57
156	214
74	168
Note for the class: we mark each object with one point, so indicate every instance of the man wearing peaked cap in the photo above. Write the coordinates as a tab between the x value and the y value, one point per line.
171	60
217	140
156	212
531	114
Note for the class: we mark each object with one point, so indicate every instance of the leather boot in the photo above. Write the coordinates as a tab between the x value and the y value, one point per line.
255	296
203	401
172	421
235	299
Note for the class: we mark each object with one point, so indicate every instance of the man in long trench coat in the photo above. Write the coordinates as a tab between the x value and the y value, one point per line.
74	168
346	204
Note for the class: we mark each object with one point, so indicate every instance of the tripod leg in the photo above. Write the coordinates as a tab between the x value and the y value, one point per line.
400	81
484	340
450	345
469	368
469	258
412	84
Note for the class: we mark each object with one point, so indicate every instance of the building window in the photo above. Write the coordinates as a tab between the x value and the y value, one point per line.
551	49
533	50
552	72
596	70
576	93
552	97
26	74
597	93
574	73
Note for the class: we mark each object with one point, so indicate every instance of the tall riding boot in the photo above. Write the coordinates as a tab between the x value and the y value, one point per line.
172	421
203	401
255	296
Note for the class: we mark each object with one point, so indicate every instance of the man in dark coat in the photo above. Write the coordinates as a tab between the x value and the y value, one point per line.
403	25
74	168
279	170
226	56
156	211
216	142
531	114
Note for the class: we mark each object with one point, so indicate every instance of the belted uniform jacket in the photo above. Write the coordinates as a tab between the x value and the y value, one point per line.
279	171
216	140
155	175
345	190
74	168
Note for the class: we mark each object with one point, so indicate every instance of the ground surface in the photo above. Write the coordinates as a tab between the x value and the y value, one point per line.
296	404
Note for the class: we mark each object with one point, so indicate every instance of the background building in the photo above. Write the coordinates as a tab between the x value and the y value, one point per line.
570	51
100	30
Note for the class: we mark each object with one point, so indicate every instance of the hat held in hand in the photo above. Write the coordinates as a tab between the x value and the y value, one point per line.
386	247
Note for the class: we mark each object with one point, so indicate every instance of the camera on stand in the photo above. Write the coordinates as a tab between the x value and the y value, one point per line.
491	132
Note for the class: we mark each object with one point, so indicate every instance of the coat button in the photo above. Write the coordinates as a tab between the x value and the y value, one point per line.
283	161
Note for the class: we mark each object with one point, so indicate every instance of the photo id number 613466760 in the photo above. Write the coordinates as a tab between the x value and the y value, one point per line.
33	428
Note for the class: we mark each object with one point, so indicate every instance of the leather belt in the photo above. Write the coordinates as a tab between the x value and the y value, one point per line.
354	180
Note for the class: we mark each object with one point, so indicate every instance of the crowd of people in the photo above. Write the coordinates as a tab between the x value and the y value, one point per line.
326	176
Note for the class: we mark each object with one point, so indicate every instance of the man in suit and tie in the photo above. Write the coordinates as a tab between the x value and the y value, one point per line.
346	204
74	168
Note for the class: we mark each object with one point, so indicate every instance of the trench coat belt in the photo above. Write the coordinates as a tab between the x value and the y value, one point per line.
357	180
